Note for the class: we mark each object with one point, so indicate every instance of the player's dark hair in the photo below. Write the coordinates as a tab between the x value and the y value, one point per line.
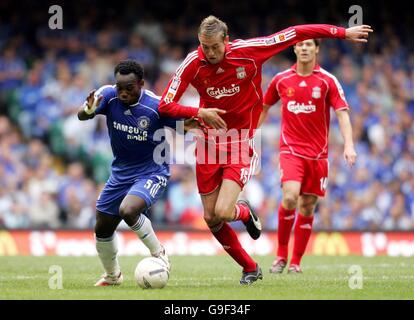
130	66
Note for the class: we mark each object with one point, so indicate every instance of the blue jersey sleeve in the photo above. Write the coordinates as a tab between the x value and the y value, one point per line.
108	92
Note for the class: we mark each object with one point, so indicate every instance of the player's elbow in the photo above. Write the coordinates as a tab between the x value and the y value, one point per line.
342	114
163	109
266	108
265	111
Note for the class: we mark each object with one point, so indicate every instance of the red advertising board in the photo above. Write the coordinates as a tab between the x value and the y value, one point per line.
81	243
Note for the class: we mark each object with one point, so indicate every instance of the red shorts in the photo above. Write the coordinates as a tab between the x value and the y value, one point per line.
226	163
312	174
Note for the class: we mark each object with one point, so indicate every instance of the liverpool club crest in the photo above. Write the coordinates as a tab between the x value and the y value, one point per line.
241	73
316	92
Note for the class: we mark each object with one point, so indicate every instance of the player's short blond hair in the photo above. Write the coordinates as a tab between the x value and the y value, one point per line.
212	26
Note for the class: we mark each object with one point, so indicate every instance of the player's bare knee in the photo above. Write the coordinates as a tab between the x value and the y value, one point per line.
290	200
224	213
102	231
129	213
211	219
307	209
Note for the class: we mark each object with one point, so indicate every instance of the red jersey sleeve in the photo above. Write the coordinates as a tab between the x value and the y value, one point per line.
177	85
336	96
263	48
272	95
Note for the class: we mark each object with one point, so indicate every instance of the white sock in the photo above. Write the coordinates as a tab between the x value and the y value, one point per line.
143	229
107	251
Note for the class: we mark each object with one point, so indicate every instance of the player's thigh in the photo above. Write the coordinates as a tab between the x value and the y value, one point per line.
307	204
106	224
291	189
316	178
132	204
209	203
228	195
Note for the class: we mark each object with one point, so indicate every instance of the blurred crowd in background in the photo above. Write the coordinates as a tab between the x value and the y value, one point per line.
52	166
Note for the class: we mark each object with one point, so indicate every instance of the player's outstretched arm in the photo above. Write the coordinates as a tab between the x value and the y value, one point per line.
358	33
263	48
87	111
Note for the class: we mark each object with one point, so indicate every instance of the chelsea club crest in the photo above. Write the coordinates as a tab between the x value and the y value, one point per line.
143	122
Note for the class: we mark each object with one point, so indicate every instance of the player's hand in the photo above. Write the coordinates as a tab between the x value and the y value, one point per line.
358	33
211	116
350	155
92	103
192	123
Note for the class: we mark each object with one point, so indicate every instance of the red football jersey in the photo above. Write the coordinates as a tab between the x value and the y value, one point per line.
234	84
306	103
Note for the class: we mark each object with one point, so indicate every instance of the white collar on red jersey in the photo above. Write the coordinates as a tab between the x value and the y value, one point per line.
317	68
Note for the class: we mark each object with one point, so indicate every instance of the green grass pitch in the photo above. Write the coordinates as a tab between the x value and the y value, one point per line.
216	277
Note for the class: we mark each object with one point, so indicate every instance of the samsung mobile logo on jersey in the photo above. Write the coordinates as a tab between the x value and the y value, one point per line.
300	107
218	93
134	132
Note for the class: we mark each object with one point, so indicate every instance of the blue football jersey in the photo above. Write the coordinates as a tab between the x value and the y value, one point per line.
131	131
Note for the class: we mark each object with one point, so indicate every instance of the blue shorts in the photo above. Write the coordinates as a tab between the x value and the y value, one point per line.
149	188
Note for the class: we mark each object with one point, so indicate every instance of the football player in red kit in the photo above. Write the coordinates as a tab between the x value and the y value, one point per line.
227	75
307	92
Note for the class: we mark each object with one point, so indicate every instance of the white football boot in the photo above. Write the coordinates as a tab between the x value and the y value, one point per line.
164	257
108	280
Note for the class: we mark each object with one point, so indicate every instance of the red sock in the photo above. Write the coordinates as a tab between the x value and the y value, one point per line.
242	212
286	220
303	230
228	239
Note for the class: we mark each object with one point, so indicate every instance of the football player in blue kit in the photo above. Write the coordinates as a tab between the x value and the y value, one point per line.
137	180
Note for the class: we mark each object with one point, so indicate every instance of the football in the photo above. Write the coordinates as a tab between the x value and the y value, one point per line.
151	273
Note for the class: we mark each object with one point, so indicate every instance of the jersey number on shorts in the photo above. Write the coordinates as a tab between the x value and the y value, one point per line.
152	187
244	175
324	183
148	184
155	187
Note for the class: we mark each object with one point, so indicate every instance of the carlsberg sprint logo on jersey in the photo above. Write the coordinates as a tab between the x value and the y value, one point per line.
301	107
218	93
